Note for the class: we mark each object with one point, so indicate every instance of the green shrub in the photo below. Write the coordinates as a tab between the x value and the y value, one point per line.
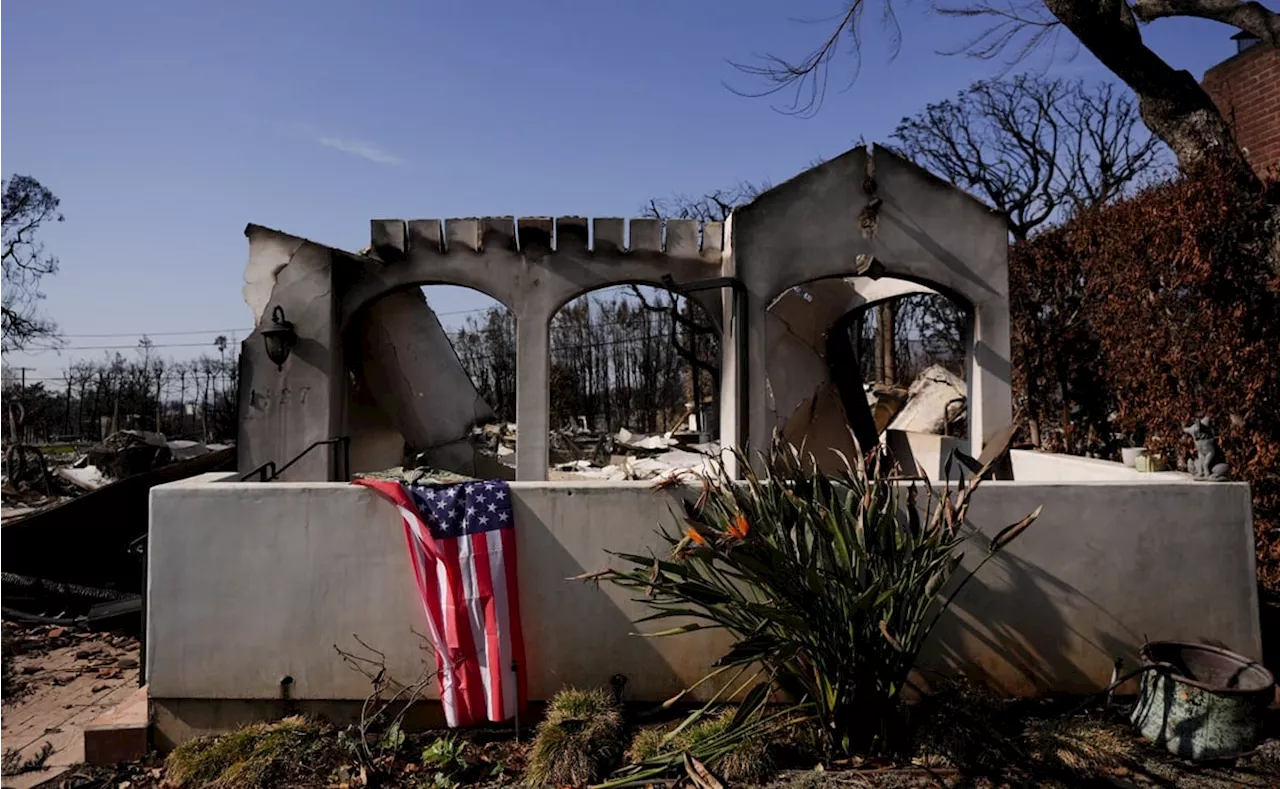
258	755
447	756
747	759
830	583
579	741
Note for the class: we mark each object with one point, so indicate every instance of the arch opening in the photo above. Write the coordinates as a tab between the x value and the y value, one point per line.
849	358
430	374
634	381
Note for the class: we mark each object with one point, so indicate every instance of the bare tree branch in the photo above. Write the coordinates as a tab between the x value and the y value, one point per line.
1171	103
711	207
808	77
1019	27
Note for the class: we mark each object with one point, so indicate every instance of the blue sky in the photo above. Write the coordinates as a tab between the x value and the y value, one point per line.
166	127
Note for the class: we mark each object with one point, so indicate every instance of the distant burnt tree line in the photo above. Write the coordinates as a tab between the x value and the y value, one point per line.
88	400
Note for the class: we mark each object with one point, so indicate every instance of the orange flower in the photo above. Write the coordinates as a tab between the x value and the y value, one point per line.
698	538
739	528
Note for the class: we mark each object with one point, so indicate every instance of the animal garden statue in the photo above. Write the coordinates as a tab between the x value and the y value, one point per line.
1209	463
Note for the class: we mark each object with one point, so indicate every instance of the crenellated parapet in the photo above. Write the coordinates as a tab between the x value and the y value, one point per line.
535	237
534	265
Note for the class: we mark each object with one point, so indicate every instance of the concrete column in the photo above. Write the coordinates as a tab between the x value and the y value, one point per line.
990	402
760	407
731	371
533	400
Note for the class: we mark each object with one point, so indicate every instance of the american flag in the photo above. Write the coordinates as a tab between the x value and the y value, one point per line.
462	547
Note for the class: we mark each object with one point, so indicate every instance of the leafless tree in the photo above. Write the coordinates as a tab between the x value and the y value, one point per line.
1170	101
27	207
710	207
1032	147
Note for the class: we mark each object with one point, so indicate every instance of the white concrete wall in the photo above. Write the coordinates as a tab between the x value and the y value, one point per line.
1031	466
927	453
250	583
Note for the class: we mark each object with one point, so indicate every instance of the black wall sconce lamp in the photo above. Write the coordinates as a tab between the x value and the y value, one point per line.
280	338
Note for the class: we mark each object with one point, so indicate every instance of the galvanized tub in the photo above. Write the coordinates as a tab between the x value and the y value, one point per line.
1201	701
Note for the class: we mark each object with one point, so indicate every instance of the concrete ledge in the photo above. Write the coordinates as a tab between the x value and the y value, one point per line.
121	735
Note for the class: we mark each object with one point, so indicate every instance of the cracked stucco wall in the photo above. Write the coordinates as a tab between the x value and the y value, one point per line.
282	412
391	379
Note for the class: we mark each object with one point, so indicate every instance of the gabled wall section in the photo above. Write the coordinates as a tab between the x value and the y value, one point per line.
871	212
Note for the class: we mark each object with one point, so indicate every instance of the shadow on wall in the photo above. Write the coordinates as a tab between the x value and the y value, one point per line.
1006	629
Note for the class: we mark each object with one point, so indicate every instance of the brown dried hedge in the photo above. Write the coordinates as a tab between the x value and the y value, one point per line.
1141	315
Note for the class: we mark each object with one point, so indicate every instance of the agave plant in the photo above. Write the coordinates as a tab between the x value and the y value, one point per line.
830	583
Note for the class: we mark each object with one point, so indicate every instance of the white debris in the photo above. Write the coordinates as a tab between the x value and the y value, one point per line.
926	409
85	477
628	440
611	473
667	464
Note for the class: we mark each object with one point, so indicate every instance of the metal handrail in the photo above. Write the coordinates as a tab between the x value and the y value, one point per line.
268	471
345	441
261	472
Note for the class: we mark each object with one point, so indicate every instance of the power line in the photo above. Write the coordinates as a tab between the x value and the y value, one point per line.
135	346
159	333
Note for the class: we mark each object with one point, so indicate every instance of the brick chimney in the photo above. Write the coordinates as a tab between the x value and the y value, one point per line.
1246	88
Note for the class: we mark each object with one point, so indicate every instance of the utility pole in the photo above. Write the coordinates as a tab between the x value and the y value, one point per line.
23	371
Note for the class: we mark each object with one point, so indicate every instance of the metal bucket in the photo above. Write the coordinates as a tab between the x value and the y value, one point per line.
1201	701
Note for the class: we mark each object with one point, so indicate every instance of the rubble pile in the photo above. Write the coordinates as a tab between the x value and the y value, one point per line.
577	452
497	440
35	480
934	403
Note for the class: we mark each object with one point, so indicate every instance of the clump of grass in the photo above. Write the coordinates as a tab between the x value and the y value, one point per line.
748	761
1079	745
258	755
646	744
579	740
